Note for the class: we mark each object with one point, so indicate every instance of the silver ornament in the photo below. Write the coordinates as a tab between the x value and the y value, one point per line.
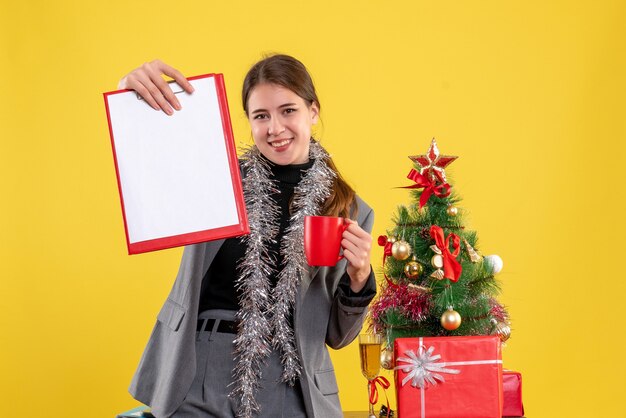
494	263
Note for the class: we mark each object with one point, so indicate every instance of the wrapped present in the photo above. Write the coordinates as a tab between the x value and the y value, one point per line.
448	377
512	394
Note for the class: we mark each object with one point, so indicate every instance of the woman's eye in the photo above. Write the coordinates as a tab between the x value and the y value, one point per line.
290	110
260	116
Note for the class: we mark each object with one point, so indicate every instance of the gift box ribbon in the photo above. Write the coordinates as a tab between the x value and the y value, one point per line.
423	368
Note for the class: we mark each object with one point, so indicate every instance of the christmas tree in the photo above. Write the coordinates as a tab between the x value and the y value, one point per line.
436	282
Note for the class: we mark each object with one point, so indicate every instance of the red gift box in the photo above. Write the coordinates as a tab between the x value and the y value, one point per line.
512	392
448	377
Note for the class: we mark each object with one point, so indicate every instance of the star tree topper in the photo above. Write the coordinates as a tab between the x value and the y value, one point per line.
432	164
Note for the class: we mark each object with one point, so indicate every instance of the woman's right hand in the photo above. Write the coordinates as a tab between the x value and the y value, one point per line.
148	83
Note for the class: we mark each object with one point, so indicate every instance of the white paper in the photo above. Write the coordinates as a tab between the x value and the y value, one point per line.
173	170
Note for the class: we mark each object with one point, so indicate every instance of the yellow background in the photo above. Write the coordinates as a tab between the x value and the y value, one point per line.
529	94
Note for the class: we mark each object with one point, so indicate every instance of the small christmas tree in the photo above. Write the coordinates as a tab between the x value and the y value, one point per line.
437	284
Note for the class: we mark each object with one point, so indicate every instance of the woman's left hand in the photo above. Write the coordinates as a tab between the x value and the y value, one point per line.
357	244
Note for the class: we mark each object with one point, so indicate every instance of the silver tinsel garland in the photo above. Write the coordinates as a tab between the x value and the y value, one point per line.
264	312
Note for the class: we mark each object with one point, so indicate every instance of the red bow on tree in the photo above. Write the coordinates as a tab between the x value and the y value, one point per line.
451	267
430	187
383	241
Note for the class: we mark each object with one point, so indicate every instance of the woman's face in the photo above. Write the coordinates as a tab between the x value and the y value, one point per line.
281	123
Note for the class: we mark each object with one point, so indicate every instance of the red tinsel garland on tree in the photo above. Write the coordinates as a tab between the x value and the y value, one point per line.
411	302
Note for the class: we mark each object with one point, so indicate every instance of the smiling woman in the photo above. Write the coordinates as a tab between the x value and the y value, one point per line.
280	101
232	324
281	123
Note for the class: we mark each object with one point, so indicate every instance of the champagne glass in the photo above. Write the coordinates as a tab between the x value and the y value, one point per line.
369	349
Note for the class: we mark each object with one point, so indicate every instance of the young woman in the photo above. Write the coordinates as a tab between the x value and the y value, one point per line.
244	330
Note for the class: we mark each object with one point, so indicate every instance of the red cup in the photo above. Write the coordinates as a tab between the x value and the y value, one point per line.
322	239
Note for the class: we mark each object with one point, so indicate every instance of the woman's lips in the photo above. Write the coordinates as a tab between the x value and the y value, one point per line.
281	145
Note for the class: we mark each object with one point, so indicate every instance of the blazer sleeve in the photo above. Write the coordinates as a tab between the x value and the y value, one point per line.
349	309
361	298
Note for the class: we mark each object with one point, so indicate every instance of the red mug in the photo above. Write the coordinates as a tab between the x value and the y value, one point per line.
322	239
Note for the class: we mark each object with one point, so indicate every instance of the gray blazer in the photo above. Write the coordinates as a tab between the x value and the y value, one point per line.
168	365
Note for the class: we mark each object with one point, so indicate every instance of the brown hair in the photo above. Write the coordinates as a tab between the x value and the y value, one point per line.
291	74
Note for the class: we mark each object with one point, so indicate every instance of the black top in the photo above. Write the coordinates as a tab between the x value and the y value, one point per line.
218	286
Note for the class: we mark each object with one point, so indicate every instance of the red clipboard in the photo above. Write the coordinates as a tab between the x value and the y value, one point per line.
178	176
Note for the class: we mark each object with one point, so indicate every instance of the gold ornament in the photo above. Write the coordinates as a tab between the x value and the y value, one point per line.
401	250
450	319
386	359
419	289
502	330
413	269
437	262
392	239
437	274
473	255
452	211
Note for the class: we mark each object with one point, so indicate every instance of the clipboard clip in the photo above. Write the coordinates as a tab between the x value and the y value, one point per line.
176	89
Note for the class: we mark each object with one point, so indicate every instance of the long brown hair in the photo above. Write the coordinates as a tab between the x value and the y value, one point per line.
288	72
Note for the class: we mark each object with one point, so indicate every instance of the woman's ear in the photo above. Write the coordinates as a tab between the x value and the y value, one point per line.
315	113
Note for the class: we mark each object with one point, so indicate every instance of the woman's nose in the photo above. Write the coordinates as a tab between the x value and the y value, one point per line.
275	127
